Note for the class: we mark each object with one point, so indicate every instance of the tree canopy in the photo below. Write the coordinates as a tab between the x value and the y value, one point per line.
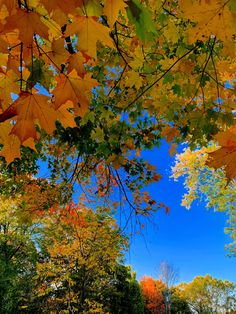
87	85
206	294
98	66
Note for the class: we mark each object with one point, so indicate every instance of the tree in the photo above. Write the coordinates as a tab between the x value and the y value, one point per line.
84	75
81	251
209	295
168	274
123	293
152	291
18	258
60	258
208	185
178	305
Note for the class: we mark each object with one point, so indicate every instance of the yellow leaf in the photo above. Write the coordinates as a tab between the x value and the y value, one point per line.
7	86
212	18
171	32
112	9
133	79
89	33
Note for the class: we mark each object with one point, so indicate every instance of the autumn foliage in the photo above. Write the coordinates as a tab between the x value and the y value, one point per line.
153	52
87	86
152	293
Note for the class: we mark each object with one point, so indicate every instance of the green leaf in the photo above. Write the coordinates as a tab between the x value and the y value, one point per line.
141	17
177	89
168	78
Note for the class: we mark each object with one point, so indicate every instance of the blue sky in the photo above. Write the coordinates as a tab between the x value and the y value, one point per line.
191	240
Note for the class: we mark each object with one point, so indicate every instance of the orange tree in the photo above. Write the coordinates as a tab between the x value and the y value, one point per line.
152	291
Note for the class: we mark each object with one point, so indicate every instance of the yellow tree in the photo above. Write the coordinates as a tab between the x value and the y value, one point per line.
209	185
81	248
209	295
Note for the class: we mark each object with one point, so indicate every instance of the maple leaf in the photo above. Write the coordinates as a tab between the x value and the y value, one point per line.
65	116
7	86
9	39
11	143
28	23
66	6
226	155
212	18
76	89
141	17
76	61
172	151
170	132
59	10
112	9
30	109
89	32
57	54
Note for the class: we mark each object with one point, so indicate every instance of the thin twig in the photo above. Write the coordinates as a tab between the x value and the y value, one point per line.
158	79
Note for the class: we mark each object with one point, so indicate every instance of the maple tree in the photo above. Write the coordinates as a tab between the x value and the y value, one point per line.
105	78
152	291
87	85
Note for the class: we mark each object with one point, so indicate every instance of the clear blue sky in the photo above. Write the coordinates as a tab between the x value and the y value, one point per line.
191	240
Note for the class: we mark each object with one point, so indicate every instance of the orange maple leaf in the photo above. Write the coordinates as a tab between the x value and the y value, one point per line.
76	61
30	109
57	53
212	17
11	143
65	116
170	132
59	9
226	155
28	23
76	89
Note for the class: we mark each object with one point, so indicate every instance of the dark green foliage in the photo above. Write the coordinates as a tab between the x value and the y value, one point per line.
178	305
123	296
17	267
